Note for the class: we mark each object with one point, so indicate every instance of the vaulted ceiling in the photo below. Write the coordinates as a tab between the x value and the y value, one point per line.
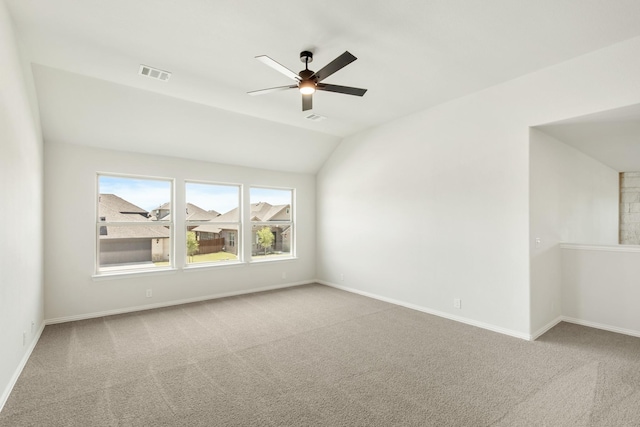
412	55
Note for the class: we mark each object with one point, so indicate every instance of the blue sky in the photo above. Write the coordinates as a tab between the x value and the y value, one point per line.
269	195
220	198
149	193
145	193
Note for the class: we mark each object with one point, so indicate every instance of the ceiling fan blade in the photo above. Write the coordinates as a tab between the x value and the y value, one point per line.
341	89
340	62
273	89
307	102
278	67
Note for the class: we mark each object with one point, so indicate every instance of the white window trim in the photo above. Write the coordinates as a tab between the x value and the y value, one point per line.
134	271
239	224
292	223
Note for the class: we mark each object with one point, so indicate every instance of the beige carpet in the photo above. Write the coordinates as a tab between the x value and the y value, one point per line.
317	356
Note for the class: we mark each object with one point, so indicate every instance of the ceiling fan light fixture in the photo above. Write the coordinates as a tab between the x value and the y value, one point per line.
307	87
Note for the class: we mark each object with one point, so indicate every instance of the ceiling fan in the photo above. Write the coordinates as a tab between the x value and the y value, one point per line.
308	81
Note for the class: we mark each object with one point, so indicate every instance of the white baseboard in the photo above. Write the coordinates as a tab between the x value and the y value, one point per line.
471	322
516	334
85	316
545	328
604	327
7	391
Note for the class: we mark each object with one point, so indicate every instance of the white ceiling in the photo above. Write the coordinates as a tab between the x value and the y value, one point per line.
611	137
412	55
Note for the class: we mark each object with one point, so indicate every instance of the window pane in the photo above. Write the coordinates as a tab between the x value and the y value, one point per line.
212	222
271	241
145	244
207	201
212	243
270	205
133	246
133	200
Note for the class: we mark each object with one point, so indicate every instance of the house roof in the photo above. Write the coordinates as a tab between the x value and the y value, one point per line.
261	211
116	209
194	212
136	232
119	204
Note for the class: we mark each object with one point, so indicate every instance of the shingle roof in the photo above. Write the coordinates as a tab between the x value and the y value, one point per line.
119	204
194	212
263	211
259	212
136	232
115	209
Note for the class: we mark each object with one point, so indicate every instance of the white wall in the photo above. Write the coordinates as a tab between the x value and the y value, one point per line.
21	294
600	287
435	206
573	198
70	186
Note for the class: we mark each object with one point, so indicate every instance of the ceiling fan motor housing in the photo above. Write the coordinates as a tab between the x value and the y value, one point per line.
306	56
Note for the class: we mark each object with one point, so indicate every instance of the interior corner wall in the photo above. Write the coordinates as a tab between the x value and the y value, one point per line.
573	199
70	230
435	206
21	291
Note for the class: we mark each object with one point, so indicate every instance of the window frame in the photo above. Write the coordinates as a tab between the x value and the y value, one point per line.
291	223
238	231
103	224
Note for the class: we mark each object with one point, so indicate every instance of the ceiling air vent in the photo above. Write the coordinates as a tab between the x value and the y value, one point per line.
154	73
315	117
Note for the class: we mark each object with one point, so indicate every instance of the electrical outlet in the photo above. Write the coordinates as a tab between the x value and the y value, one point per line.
538	242
33	327
284	274
341	276
457	303
149	293
24	338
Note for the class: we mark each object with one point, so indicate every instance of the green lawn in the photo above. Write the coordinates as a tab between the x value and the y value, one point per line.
217	256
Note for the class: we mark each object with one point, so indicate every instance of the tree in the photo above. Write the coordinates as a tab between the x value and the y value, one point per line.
265	238
192	244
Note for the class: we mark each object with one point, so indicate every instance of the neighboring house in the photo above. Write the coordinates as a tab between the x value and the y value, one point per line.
136	244
209	241
222	227
264	212
194	213
223	237
129	244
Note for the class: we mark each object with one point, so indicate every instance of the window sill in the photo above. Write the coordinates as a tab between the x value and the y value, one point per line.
211	265
262	261
124	274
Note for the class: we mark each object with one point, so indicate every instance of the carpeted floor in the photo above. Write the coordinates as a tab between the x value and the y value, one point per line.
317	356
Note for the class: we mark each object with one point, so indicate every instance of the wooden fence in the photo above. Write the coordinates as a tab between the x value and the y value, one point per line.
210	246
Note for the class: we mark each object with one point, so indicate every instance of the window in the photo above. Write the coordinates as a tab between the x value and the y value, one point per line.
272	224
133	225
213	220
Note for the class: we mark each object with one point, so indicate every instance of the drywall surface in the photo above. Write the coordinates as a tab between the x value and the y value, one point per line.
600	287
573	198
435	206
108	115
21	294
70	236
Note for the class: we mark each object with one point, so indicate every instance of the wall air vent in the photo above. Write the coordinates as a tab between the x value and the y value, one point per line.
154	73
315	117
